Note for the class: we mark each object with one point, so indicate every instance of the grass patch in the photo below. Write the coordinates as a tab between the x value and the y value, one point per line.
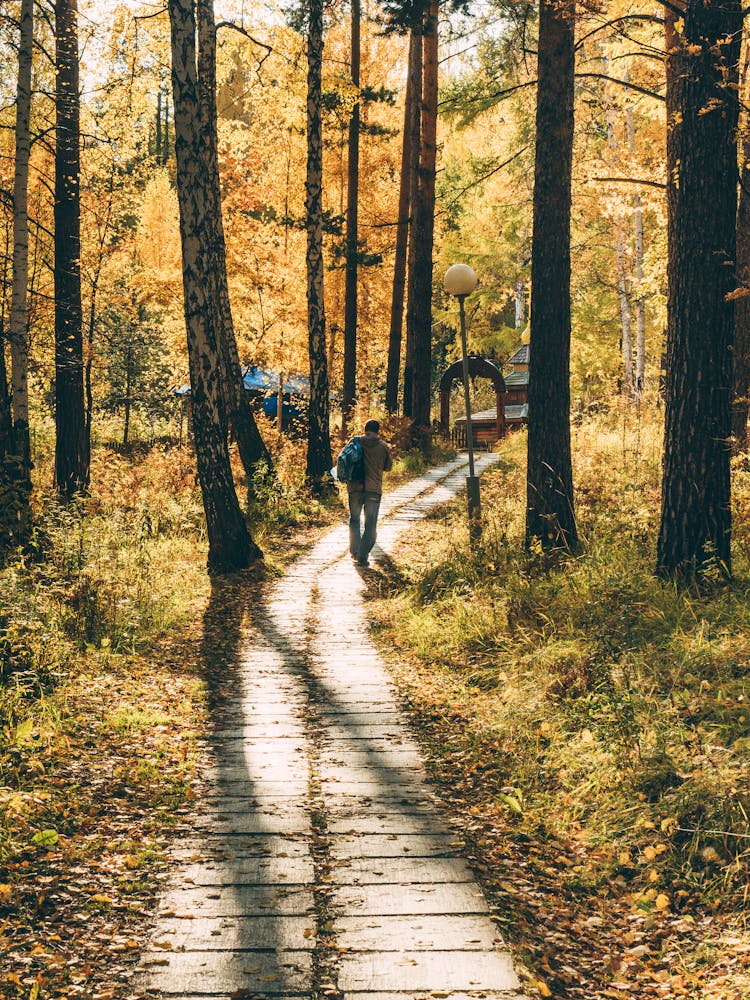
590	721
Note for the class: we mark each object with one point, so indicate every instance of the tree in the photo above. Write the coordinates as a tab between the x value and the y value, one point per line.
352	240
419	314
550	517
249	442
695	528
415	145
71	452
134	355
319	458
741	352
230	544
18	333
402	234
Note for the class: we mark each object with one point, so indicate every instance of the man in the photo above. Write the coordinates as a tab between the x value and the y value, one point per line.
366	496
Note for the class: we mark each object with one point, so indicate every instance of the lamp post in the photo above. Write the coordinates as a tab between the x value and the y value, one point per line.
461	280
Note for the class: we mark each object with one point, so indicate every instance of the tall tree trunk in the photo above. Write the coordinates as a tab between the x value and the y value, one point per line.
520	302
424	217
402	239
157	143
623	294
621	262
415	145
319	459
6	415
229	541
128	395
19	326
236	403
640	301
550	517
165	147
695	529
71	452
352	236
741	354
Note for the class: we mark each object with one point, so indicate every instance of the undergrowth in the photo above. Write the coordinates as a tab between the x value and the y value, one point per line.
107	649
581	699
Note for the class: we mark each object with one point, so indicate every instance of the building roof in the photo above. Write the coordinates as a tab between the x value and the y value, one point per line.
520	357
516	379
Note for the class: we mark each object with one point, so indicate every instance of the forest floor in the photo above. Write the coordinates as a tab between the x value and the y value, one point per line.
587	726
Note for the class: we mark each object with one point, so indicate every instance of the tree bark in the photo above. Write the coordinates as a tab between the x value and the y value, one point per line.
18	333
352	236
157	143
319	459
71	451
695	529
230	545
741	354
415	144
236	404
640	301
402	239
550	517
424	219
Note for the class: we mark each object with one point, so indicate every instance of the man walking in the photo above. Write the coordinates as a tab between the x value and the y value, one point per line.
366	495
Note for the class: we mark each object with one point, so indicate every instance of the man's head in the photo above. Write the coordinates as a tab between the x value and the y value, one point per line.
372	427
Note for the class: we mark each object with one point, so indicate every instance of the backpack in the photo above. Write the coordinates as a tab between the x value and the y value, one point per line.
350	465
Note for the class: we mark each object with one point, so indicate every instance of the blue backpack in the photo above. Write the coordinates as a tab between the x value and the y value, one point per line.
350	465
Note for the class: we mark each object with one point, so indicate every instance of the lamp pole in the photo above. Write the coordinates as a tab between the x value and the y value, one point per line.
461	280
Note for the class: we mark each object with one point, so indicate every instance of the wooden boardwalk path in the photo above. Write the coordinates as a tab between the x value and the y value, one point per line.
321	866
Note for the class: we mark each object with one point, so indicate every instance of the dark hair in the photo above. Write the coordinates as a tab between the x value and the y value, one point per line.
372	425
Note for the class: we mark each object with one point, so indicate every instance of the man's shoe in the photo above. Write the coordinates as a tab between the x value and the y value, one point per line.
363	562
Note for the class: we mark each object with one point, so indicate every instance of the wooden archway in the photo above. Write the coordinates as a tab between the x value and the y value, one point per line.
478	368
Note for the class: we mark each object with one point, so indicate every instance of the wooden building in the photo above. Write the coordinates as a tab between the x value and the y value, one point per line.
512	393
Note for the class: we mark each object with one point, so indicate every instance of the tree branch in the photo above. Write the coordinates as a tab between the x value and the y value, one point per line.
618	20
631	180
622	83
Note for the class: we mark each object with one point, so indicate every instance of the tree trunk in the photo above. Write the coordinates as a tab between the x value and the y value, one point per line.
165	156
352	239
640	301
18	333
626	318
415	142
741	403
71	452
621	263
319	459
550	517
157	142
230	545
402	239
520	303
424	218
128	396
695	530
237	406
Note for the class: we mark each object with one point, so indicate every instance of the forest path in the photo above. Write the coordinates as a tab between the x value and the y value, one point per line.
321	865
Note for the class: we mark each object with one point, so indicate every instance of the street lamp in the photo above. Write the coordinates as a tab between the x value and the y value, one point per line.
461	280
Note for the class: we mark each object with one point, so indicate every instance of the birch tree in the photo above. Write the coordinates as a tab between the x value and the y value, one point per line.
230	544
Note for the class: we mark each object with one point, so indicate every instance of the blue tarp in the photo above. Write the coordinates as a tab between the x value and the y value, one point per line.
265	382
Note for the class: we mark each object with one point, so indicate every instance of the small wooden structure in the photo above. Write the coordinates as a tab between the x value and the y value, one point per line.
489	430
517	387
